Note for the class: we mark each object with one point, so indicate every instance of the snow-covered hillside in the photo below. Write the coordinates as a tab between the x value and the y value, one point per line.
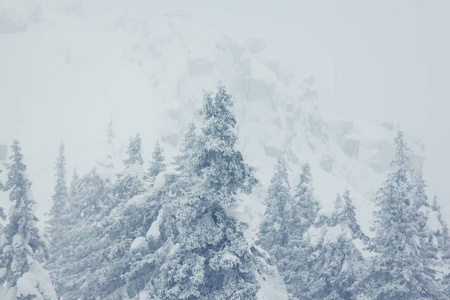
147	72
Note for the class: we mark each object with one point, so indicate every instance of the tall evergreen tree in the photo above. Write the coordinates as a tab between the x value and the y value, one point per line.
74	182
442	238
273	232
403	265
336	261
294	256
18	264
130	182
303	210
90	202
134	152
207	255
157	164
60	195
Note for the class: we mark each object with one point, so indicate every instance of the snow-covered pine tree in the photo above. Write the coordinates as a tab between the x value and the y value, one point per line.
74	183
207	255
155	237
22	276
157	164
134	152
295	260
441	237
273	232
130	182
403	267
336	261
90	201
60	202
303	211
2	214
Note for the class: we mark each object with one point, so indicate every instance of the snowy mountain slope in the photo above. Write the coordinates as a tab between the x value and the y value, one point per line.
147	72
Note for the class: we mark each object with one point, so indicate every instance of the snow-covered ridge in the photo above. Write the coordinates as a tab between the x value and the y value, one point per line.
148	71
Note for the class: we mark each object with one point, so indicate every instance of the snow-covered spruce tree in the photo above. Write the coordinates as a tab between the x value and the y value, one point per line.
134	152
295	260
130	182
157	164
151	246
111	249
207	256
403	267
60	204
273	233
73	184
2	214
90	202
305	206
441	237
336	262
22	276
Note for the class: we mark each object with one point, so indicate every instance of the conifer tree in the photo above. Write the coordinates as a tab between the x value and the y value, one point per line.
442	237
157	164
23	242
2	214
90	202
403	267
60	195
336	261
304	208
294	259
207	255
73	183
273	232
130	182
134	152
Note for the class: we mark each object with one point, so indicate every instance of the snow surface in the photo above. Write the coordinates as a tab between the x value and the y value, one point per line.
272	286
35	284
138	200
147	71
137	243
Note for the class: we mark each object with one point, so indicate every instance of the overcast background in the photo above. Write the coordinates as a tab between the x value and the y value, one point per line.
373	60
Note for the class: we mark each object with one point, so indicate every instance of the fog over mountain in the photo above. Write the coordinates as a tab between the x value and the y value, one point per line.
326	84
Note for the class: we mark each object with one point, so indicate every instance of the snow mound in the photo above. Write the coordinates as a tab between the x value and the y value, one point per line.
137	243
36	284
272	286
137	200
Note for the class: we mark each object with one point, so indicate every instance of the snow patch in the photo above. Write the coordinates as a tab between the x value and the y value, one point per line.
272	286
137	243
137	200
36	284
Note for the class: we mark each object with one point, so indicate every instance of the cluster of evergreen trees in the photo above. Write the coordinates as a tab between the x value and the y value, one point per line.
320	255
158	234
